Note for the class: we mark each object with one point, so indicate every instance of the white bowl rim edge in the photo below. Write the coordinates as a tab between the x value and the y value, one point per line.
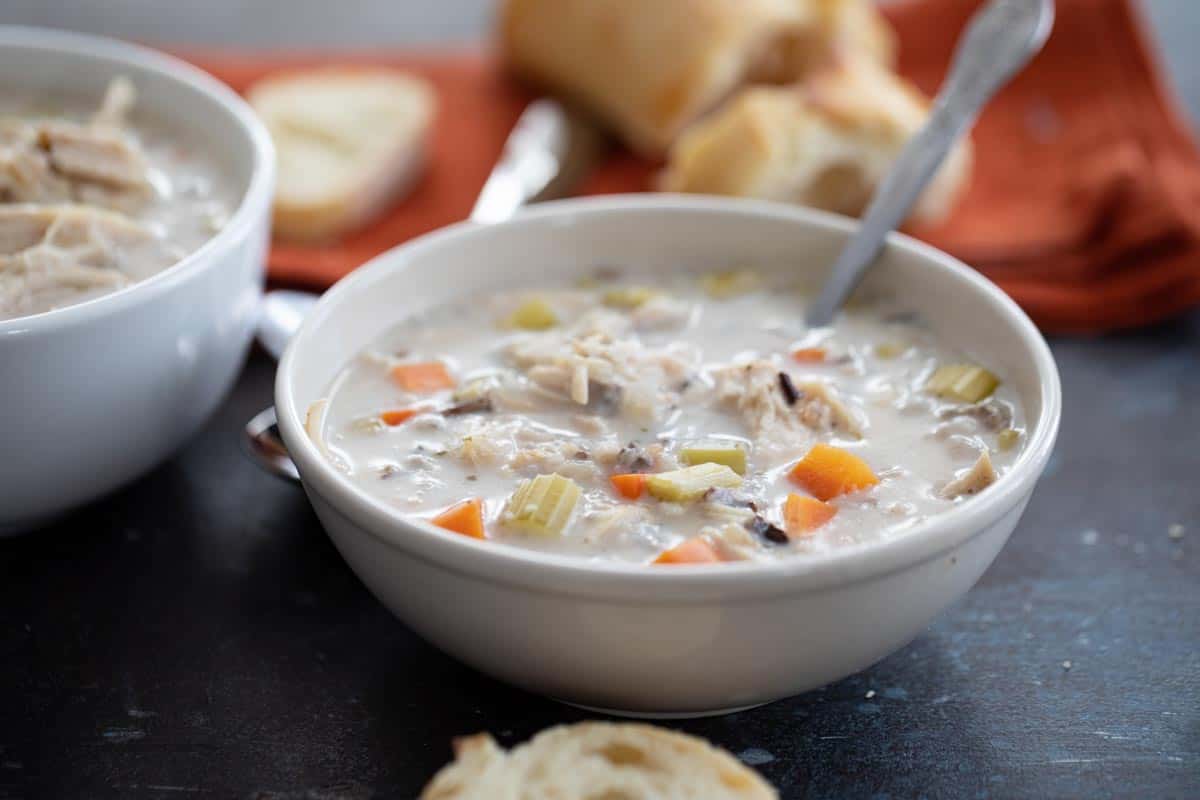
259	187
613	580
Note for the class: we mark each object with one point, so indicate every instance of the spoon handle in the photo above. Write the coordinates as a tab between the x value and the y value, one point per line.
999	40
533	156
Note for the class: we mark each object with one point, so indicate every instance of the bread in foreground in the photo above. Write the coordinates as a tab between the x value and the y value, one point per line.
825	143
596	759
649	69
349	141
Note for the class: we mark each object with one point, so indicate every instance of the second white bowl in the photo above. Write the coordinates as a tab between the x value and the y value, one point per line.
97	393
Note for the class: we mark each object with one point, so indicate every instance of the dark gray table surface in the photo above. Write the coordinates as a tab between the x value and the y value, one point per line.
197	635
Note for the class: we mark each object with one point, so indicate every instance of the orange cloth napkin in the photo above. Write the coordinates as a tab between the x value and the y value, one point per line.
1084	206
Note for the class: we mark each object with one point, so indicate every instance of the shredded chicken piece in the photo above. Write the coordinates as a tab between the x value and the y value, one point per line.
125	200
430	423
617	520
633	458
661	313
480	450
510	397
822	410
754	389
558	457
48	253
59	161
992	414
25	226
371	425
385	361
974	480
98	155
606	455
530	434
732	541
596	364
720	512
955	426
960	446
56	161
589	424
25	172
553	378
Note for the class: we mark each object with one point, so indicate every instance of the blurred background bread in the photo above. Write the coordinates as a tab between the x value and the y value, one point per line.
348	141
825	143
648	69
789	100
593	760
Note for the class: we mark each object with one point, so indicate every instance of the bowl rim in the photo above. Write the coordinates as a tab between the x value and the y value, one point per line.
258	192
635	583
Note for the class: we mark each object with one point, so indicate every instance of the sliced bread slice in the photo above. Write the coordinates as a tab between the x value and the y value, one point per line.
349	142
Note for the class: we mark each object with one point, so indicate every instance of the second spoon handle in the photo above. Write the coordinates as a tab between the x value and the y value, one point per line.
999	40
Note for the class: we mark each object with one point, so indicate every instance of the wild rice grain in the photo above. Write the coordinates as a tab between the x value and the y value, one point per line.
789	389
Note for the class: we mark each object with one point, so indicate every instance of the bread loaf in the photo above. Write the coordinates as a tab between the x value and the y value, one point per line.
649	69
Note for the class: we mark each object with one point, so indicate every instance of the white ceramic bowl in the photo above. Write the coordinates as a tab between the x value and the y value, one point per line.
97	393
689	640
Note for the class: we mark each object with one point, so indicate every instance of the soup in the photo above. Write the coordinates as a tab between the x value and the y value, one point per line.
695	419
91	203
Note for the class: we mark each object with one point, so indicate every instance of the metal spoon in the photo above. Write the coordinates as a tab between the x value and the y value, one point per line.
999	41
546	149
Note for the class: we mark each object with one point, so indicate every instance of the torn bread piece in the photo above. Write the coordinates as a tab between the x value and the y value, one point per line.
826	143
593	760
648	70
348	142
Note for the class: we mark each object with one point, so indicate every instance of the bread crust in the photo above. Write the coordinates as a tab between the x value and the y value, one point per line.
649	69
593	759
826	143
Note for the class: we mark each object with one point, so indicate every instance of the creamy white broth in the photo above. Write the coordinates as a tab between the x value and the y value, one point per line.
95	196
686	361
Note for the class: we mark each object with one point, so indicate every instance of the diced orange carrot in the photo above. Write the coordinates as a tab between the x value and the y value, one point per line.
465	518
803	515
828	471
399	416
809	355
629	486
429	376
693	551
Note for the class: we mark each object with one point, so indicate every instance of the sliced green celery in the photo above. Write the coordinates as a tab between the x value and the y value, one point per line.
628	297
730	454
724	285
966	383
543	505
533	315
690	483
